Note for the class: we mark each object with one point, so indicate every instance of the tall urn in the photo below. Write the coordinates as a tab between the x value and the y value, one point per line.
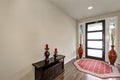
80	51
112	55
47	54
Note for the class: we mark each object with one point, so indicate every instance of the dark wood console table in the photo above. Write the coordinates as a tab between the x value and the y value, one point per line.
49	70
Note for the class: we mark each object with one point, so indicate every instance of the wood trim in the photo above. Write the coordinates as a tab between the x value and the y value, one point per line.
94	31
94	39
94	48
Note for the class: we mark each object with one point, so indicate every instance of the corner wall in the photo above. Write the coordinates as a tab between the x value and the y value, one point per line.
25	27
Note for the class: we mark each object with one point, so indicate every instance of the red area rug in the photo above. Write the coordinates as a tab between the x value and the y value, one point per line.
97	68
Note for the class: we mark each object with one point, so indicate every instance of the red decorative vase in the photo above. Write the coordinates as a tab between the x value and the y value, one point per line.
112	55
80	51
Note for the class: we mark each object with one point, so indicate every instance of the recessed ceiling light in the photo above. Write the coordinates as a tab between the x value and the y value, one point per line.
90	7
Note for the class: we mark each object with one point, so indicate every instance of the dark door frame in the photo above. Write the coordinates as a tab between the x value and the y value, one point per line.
103	40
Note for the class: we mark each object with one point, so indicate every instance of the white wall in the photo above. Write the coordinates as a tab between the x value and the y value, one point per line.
25	27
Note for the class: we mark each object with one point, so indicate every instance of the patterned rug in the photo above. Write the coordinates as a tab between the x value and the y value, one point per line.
97	68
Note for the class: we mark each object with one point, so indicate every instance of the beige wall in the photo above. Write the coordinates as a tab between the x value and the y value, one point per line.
25	27
105	16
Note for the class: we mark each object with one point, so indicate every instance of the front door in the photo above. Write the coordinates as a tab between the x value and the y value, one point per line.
95	40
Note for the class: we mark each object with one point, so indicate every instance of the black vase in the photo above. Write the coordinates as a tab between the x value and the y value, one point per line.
47	54
55	55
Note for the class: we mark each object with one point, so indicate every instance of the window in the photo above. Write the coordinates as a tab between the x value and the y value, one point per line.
111	31
95	40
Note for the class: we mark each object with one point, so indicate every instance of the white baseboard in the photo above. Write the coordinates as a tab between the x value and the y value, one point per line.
70	59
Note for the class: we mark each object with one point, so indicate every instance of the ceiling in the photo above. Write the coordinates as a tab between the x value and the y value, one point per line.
77	9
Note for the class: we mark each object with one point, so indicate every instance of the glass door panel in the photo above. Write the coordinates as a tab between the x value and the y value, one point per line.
94	35
94	27
94	44
95	53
